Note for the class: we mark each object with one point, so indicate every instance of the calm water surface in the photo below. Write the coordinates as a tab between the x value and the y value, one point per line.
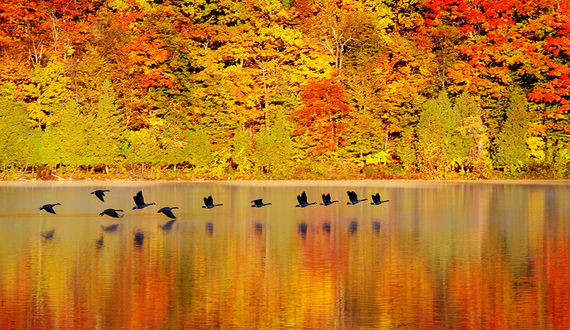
439	255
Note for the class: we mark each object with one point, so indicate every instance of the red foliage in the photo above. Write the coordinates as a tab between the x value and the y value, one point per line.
319	118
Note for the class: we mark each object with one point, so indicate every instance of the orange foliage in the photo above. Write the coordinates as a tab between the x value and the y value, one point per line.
319	117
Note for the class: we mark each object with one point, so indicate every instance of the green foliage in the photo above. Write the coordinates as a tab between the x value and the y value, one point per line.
142	147
15	145
49	90
198	149
436	135
405	149
107	129
512	150
241	150
67	142
274	150
287	89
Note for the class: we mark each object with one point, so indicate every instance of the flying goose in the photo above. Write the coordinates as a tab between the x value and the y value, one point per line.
354	198
49	207
112	213
302	199
376	200
327	200
259	203
209	203
139	201
100	194
168	211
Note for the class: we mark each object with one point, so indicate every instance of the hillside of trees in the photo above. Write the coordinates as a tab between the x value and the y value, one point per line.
269	89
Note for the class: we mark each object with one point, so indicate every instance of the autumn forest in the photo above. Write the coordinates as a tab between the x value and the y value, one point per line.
280	89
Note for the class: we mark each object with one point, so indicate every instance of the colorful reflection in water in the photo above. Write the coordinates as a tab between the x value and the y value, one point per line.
450	255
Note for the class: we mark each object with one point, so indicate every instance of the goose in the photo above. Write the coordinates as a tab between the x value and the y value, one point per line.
327	200
168	225
49	207
100	194
48	234
209	203
376	200
139	200
354	198
168	211
110	227
259	203
302	199
112	213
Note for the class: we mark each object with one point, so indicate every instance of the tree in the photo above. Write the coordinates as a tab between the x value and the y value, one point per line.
432	133
50	91
474	134
67	142
512	141
241	151
319	118
274	149
335	27
441	147
198	149
14	130
106	132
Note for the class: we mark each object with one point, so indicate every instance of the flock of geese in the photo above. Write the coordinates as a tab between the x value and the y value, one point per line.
208	204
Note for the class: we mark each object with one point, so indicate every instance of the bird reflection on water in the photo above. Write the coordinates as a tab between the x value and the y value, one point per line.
168	225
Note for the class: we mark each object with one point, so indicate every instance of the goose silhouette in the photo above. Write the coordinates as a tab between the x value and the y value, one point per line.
209	203
376	200
49	207
354	198
168	211
302	199
259	203
327	200
139	201
112	213
100	194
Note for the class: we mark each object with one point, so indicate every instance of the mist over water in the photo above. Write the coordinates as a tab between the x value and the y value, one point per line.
439	255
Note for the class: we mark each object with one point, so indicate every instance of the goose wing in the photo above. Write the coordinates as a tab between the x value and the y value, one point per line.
139	199
304	198
100	194
168	212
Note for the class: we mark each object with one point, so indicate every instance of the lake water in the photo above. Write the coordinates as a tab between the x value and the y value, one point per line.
439	255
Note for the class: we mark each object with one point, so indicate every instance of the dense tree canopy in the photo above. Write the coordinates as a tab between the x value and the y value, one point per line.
285	89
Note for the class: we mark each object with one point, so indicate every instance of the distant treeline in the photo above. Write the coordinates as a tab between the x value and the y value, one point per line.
284	89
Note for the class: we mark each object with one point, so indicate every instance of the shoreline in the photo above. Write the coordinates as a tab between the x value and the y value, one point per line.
292	182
